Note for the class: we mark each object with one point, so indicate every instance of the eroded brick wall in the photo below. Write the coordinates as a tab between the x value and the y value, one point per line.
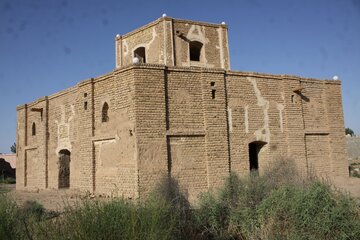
102	154
192	120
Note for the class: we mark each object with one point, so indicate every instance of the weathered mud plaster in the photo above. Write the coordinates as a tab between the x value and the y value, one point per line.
197	33
102	144
280	107
230	120
262	134
246	118
125	46
163	52
221	47
147	45
63	129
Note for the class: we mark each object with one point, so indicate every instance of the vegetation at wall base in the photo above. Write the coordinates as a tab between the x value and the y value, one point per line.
279	204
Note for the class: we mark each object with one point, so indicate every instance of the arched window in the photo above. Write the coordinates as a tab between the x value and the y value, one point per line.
104	115
33	129
140	54
195	50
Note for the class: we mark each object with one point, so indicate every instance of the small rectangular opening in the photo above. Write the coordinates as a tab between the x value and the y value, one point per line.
213	93
212	84
85	105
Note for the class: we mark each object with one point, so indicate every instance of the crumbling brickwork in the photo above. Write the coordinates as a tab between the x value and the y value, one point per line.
170	112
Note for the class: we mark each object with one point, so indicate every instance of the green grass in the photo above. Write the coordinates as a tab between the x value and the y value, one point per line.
279	204
7	180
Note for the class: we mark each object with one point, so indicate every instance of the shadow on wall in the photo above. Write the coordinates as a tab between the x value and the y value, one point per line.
6	170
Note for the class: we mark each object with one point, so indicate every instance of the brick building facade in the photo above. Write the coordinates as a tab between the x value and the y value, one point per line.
173	106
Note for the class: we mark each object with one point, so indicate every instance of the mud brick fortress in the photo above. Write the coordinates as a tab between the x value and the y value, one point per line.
172	106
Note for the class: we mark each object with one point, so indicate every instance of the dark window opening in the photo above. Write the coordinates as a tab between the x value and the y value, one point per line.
212	84
64	169
292	98
195	50
104	115
254	149
85	94
85	105
33	129
213	93
140	54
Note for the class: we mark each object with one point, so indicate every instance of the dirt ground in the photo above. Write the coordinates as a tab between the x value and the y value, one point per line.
56	199
350	185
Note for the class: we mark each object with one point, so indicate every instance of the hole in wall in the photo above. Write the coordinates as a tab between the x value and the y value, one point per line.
195	50
104	113
33	129
140	54
254	150
213	93
212	84
85	105
85	94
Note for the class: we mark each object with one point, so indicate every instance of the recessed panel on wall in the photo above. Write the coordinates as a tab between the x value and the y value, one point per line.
184	102
313	106
317	150
188	164
32	168
114	167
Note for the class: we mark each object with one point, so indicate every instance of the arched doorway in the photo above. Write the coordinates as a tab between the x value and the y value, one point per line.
254	150
64	169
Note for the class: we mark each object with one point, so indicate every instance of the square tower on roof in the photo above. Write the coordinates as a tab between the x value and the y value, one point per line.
175	42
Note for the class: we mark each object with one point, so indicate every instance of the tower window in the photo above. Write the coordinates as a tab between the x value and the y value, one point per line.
195	50
140	54
33	129
104	113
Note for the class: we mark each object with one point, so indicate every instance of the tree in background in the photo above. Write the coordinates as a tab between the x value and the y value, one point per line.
349	131
13	148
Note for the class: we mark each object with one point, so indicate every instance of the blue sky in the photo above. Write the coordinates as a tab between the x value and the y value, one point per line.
48	45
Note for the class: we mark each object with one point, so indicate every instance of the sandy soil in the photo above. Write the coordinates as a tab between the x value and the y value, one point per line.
57	199
350	185
54	200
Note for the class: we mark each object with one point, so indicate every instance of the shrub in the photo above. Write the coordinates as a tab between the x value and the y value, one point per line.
313	212
279	204
157	217
8	218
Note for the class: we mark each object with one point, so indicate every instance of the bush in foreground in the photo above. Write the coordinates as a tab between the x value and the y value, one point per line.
279	204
